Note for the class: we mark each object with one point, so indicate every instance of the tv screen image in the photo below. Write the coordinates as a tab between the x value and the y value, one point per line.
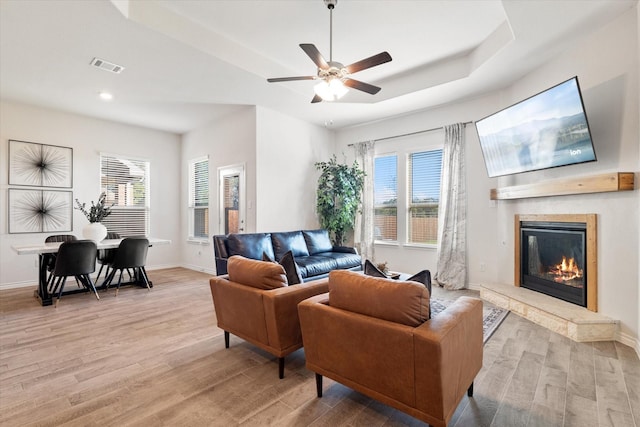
547	130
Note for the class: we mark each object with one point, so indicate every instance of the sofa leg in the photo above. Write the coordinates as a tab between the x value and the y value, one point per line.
226	339
281	367
319	385
470	390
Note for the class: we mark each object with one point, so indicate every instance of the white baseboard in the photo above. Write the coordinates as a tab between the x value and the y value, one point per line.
14	285
629	340
199	268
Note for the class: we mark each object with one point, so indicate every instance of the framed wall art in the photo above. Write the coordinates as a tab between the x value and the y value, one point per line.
40	211
40	165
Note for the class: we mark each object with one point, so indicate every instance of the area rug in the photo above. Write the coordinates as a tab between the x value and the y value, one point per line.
492	316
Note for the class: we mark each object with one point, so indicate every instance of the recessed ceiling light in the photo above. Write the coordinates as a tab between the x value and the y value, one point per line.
105	96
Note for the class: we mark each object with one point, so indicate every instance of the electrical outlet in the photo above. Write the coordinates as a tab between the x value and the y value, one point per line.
483	266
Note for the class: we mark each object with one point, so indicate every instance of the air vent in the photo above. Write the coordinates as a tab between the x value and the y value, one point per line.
106	65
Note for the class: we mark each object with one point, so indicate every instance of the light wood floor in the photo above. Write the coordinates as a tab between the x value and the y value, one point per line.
157	359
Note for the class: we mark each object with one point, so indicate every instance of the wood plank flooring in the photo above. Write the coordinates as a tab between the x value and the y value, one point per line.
157	359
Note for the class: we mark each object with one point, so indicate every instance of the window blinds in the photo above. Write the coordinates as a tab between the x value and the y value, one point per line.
424	196
199	197
126	184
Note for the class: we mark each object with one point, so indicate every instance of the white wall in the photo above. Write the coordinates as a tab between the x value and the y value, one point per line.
606	64
287	150
88	137
228	140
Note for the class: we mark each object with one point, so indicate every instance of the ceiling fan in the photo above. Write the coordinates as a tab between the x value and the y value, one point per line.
333	75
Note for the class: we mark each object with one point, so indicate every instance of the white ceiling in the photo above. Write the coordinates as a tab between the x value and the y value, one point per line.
189	61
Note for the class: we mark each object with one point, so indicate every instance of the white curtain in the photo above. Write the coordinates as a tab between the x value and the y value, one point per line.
363	232
451	268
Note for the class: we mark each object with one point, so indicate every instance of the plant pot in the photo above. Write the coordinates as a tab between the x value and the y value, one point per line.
94	231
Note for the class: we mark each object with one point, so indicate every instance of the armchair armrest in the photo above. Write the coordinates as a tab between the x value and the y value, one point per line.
281	312
448	356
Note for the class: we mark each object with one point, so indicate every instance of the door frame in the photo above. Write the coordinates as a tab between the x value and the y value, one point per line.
226	171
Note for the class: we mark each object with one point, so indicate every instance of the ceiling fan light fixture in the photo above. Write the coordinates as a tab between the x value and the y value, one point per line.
330	90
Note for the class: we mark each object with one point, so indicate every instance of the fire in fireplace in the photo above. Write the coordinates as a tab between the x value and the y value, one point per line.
553	259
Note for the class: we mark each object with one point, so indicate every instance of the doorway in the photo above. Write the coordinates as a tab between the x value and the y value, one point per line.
232	196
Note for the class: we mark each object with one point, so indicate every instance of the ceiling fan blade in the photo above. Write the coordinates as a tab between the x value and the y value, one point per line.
365	87
289	79
315	55
372	61
315	99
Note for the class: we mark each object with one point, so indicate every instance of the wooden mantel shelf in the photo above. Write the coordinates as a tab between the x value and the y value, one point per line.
615	181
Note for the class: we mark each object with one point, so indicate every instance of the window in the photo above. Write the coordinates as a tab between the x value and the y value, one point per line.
199	198
126	183
385	194
424	195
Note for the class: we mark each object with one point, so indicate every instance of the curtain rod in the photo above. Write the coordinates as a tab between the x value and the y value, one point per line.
408	134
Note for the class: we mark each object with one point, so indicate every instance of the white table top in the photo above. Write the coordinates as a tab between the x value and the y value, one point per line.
52	247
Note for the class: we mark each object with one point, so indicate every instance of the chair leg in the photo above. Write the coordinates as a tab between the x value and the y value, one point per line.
145	278
319	385
87	278
470	390
108	278
226	339
55	284
100	272
64	280
281	367
119	282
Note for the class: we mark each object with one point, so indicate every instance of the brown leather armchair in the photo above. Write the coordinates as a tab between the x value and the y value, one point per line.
254	303
374	335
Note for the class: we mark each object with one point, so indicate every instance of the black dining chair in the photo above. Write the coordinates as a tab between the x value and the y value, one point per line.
105	256
131	254
75	258
50	259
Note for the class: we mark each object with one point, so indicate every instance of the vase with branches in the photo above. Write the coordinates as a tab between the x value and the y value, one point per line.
98	211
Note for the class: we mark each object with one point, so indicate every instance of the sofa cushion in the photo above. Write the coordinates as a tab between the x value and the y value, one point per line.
343	260
294	276
257	274
289	241
250	245
314	265
396	301
317	241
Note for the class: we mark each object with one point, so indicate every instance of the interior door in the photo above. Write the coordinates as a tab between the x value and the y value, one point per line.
232	199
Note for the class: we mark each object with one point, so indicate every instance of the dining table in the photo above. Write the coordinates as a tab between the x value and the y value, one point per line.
40	249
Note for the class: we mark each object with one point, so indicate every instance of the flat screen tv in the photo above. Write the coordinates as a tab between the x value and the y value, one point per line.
547	130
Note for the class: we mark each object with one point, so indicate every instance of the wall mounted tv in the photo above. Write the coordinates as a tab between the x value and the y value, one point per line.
547	130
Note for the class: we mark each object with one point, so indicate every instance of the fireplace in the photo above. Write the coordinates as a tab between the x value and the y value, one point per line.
555	255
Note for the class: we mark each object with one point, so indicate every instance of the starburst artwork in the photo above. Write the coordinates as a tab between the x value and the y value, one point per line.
40	165
40	211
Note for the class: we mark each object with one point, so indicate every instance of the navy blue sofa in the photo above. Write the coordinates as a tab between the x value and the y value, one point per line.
312	251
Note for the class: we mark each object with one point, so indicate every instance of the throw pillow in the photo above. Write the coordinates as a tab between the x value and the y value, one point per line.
372	270
423	277
266	257
291	269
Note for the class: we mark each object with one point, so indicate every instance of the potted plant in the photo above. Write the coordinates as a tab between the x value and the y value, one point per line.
95	230
338	197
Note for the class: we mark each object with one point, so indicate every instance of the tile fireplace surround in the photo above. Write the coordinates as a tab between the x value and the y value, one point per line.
571	320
